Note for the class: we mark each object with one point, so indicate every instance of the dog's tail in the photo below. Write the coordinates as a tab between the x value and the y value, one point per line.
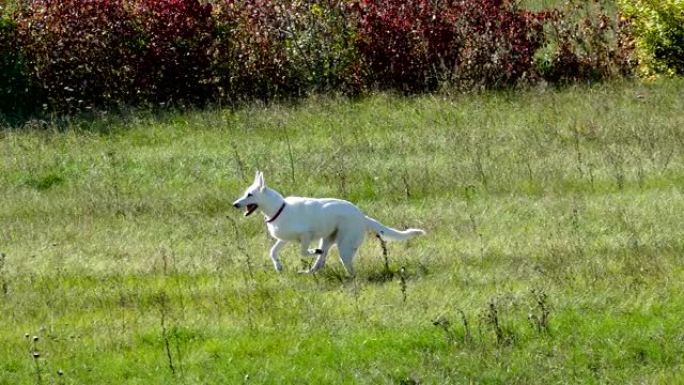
390	234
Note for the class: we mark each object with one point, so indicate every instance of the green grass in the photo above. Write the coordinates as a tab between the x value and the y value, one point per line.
122	248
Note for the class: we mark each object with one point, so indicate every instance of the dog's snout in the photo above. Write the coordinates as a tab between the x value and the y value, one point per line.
236	205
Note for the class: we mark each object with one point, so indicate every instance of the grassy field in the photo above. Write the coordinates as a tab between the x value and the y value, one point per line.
553	255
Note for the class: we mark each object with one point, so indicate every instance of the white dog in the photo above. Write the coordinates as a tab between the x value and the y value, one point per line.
303	220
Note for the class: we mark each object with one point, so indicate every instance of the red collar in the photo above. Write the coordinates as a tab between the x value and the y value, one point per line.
277	214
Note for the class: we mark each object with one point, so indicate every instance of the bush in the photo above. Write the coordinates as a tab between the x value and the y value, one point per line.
499	43
659	28
252	58
81	51
585	41
414	45
87	53
282	47
102	53
405	44
173	50
321	44
15	86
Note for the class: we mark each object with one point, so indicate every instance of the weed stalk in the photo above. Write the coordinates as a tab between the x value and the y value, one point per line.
578	151
290	155
491	318
3	280
163	310
467	337
469	192
402	283
540	321
249	279
35	354
444	324
385	253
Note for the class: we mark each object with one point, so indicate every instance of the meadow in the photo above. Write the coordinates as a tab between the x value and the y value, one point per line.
553	252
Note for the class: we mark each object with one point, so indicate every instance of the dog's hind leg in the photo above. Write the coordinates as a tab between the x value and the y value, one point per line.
274	254
348	244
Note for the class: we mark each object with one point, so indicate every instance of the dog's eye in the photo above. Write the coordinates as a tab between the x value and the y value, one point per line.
249	195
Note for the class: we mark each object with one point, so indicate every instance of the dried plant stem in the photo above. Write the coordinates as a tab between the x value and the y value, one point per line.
165	335
467	337
402	283
249	277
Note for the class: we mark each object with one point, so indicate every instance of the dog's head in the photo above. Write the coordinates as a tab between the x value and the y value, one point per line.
252	196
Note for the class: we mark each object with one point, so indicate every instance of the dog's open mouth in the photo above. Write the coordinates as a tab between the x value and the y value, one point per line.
250	209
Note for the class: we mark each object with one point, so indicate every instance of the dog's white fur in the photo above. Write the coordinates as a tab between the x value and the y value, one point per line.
303	220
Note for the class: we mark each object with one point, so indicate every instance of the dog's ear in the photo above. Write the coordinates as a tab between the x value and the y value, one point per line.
260	181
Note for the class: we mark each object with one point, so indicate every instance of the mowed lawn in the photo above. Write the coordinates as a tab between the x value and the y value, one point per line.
554	247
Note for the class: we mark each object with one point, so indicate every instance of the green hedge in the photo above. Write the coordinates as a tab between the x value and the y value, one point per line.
659	32
15	86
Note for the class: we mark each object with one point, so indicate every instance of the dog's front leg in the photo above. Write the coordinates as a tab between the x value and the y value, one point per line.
304	249
274	254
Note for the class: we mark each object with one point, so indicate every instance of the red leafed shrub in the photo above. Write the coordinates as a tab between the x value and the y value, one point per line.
173	49
415	44
498	42
405	44
102	52
79	50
